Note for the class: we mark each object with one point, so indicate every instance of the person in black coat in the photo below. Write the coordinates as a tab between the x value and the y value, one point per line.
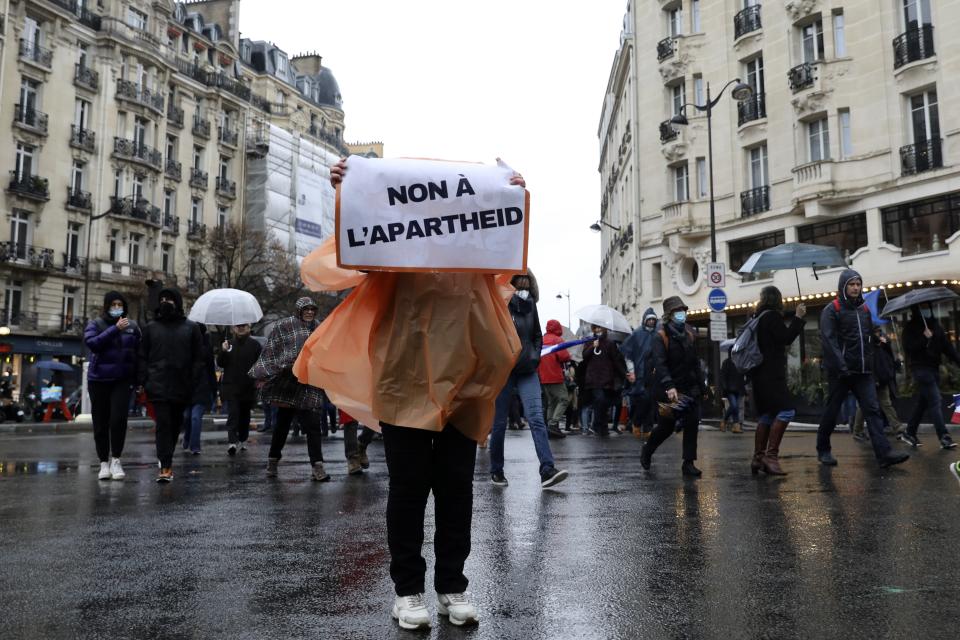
775	406
601	377
238	389
926	344
885	367
203	396
733	388
170	367
678	379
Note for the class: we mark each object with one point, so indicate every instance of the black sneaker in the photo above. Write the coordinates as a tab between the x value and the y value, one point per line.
551	477
689	469
910	439
946	442
498	479
554	433
826	458
893	458
645	457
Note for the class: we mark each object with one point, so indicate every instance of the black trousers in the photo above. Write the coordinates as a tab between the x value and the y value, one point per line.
309	423
110	403
865	390
689	422
603	401
419	462
641	410
169	419
238	417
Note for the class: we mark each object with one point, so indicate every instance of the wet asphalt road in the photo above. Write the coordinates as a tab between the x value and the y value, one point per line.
614	552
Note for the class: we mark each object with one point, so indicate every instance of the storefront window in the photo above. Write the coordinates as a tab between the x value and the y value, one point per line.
923	225
741	250
847	234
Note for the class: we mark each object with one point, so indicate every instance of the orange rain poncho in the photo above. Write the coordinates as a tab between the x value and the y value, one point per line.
416	350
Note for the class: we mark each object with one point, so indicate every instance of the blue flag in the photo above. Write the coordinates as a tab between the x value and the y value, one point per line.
872	299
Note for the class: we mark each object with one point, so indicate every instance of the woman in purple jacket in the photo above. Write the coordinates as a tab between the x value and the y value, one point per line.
113	340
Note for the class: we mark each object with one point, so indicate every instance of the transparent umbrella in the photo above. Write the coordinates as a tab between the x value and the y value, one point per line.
226	307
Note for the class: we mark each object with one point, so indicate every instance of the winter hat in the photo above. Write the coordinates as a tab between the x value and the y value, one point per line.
672	304
305	303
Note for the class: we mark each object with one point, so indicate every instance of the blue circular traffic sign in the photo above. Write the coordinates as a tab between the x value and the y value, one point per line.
717	300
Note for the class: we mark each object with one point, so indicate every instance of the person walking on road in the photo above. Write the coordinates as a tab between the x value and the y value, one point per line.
525	381
638	351
733	389
885	368
552	379
680	382
846	336
603	373
169	368
113	340
281	388
203	397
775	406
237	388
926	344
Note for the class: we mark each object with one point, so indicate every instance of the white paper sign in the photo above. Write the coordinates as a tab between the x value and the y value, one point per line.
428	215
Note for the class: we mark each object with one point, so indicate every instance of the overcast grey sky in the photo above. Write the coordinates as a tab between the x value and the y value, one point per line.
473	80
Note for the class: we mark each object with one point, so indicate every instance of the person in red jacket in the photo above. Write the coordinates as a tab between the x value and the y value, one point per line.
552	380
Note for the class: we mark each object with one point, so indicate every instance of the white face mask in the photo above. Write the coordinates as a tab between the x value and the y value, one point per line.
523	294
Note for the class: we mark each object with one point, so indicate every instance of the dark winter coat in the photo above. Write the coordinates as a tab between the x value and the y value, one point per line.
846	332
527	322
603	367
770	392
113	353
638	348
207	385
236	363
676	364
731	380
170	358
885	366
926	352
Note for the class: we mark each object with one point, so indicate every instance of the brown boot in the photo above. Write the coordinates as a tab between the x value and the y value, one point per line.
723	425
771	459
736	428
759	447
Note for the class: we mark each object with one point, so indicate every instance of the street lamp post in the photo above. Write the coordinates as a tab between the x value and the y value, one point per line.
596	226
566	295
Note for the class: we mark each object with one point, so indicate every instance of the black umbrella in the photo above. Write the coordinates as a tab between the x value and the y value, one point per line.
918	296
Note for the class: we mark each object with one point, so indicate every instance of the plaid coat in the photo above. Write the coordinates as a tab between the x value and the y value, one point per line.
273	368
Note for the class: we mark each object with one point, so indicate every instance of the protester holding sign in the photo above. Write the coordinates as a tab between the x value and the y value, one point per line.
421	346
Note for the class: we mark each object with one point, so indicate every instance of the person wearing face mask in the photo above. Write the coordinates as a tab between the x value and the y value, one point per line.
638	351
602	375
238	389
525	381
925	344
847	345
169	369
113	340
676	373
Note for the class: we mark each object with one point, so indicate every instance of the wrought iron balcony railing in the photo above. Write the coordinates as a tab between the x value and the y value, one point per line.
755	201
175	116
171	224
198	178
921	156
26	255
196	230
801	77
201	127
228	137
747	21
29	118
226	187
667	131
81	138
137	152
752	109
73	265
33	52
29	186
665	49
86	77
79	199
130	91
136	209
172	170
18	319
915	44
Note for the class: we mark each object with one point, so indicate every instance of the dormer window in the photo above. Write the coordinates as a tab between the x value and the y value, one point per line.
281	64
136	19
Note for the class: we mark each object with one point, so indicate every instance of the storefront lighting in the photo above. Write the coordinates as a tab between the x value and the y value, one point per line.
4	330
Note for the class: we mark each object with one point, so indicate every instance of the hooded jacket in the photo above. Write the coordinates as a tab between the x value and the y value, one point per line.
638	349
846	332
113	353
274	367
926	352
170	358
527	322
551	365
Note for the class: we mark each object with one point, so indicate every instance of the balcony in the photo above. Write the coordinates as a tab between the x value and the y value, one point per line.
137	152
171	225
922	156
16	319
85	77
801	77
73	265
26	256
668	132
228	137
29	186
226	188
677	216
915	44
85	17
754	201
747	21
83	139
131	92
196	230
198	178
77	199
753	109
30	119
172	170
201	128
223	81
665	49
35	54
175	116
138	209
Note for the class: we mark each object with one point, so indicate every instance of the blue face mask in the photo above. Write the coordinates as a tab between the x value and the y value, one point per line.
115	313
680	317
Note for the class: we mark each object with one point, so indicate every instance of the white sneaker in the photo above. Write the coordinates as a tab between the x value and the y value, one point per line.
457	608
232	450
116	471
104	471
410	612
